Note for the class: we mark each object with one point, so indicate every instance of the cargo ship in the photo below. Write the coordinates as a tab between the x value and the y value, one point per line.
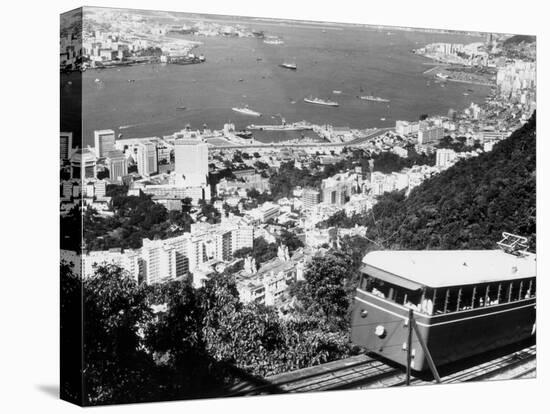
319	101
246	111
373	98
291	66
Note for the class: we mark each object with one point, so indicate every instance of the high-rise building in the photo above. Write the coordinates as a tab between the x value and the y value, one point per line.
117	165
191	157
339	188
430	134
83	164
310	198
147	159
66	145
104	141
159	260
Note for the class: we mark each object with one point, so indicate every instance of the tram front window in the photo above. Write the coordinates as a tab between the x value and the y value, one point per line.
389	291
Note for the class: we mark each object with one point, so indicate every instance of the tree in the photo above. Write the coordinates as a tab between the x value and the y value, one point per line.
175	339
290	240
324	289
116	367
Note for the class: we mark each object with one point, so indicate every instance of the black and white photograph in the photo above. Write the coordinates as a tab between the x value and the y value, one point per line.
254	206
270	207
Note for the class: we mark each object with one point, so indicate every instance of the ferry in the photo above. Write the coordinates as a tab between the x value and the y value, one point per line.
319	101
373	98
291	66
246	111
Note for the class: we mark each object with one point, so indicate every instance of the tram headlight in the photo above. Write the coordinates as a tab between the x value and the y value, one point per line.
380	331
364	313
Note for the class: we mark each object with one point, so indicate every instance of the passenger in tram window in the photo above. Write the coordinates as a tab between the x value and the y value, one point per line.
427	306
378	293
481	302
411	305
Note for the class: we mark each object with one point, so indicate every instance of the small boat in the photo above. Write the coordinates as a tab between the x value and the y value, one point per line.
241	80
131	80
336	92
465	93
181	108
291	66
97	80
382	119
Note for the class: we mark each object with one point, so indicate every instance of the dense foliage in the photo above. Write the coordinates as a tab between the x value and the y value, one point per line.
171	341
261	251
135	218
324	292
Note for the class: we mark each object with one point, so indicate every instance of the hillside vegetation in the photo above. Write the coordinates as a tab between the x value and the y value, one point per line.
467	206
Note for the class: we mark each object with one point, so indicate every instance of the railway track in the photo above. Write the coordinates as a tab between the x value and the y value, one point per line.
365	372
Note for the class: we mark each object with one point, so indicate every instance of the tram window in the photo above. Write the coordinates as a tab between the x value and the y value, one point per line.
447	301
400	295
426	302
532	289
466	298
521	289
493	296
512	291
451	300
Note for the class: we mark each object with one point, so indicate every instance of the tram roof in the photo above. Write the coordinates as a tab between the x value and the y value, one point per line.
414	269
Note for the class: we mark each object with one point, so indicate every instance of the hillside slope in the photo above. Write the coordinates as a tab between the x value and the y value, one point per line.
467	206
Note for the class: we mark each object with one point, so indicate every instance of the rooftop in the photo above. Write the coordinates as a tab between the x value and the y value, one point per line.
441	268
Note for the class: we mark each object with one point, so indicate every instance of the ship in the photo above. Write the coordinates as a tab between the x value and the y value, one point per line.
319	101
291	66
246	111
373	98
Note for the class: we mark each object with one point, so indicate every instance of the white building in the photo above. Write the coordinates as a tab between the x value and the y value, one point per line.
104	141
146	159
444	157
191	157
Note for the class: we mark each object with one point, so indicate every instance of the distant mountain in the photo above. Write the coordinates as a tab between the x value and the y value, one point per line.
467	206
517	39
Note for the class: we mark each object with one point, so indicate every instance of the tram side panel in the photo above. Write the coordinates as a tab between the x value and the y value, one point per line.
464	334
381	327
